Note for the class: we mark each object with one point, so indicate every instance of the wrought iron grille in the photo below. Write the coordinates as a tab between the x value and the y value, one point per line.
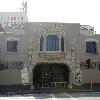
93	65
11	65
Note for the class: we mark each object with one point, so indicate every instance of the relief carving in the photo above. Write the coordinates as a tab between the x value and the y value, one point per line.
51	28
51	57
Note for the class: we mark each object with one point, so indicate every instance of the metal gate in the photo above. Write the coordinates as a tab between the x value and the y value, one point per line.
52	76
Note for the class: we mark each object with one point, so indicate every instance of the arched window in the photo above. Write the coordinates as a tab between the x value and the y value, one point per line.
62	43
52	43
41	43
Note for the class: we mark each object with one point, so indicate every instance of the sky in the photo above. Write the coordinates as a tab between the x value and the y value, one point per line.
85	12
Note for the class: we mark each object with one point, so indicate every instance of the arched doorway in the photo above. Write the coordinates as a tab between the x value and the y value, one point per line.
50	75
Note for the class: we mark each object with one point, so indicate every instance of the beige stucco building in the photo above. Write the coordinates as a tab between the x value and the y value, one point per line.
56	55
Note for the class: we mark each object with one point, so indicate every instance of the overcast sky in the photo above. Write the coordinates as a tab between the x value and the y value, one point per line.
67	11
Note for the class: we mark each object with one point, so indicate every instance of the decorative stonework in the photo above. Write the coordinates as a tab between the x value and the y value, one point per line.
74	66
52	56
28	60
77	77
86	27
66	57
70	60
14	26
52	28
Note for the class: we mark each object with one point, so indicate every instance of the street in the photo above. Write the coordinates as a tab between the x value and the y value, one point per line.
54	96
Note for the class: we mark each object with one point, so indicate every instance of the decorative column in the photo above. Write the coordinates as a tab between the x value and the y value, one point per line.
45	37
59	43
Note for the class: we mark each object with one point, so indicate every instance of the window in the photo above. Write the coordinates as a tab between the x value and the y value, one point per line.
21	18
62	44
91	47
41	43
12	46
11	18
14	18
7	23
52	43
11	23
14	23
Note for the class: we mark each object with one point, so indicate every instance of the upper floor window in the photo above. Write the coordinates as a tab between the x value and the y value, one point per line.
7	23
11	18
14	18
14	23
62	44
12	46
91	47
21	18
52	43
41	43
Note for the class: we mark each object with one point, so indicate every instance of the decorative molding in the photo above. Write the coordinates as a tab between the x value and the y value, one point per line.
52	56
51	28
14	26
86	27
78	77
91	40
66	57
74	65
12	39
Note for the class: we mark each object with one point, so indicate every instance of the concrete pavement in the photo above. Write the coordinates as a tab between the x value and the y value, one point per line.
53	96
46	90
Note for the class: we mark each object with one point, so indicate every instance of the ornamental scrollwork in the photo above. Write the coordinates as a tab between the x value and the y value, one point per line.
53	27
51	57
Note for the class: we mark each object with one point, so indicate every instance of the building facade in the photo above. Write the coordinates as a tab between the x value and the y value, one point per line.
13	21
52	55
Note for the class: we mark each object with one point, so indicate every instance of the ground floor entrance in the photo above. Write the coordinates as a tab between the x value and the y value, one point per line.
50	75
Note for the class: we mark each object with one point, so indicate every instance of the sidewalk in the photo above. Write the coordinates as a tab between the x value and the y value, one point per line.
58	90
46	90
83	90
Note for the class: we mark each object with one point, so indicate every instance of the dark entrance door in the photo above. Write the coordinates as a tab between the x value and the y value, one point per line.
50	76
